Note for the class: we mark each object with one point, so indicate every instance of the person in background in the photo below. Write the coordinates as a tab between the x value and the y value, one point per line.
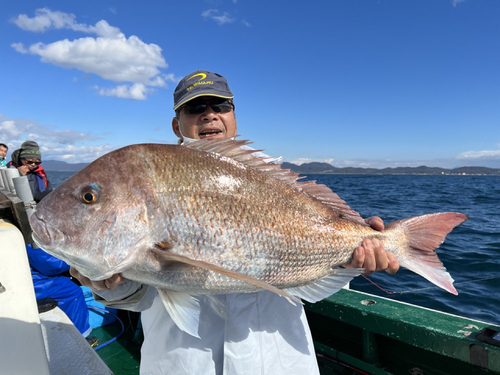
3	154
240	333
27	160
51	278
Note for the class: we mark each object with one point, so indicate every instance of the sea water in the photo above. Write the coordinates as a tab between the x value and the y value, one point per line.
471	253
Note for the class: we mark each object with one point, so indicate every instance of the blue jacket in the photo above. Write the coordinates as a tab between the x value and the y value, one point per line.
44	267
50	279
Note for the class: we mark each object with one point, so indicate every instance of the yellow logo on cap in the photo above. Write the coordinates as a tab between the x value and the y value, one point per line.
199	82
203	76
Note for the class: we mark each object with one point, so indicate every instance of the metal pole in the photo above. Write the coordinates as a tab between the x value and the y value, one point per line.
23	191
11	173
1	177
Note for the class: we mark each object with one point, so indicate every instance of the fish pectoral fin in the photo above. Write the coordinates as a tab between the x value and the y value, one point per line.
184	310
236	275
328	285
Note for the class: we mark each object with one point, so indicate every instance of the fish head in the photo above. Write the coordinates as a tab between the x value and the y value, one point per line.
96	221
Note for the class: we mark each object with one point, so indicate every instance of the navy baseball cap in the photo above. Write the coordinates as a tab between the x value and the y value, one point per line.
201	83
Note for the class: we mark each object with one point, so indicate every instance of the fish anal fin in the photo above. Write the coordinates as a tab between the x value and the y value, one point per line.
170	257
328	285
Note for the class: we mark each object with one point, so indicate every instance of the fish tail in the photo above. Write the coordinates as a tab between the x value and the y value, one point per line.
424	235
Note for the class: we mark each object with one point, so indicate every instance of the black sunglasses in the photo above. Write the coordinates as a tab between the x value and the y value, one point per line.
197	106
36	162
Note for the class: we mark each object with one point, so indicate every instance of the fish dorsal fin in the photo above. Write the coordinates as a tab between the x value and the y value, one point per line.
170	257
326	286
238	150
183	309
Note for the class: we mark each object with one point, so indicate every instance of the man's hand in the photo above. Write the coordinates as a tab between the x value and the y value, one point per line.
23	170
371	255
375	222
110	283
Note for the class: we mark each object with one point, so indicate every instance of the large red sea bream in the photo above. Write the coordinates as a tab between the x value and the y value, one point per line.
211	218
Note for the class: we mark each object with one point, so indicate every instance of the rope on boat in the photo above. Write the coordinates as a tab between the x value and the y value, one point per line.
341	363
117	318
430	287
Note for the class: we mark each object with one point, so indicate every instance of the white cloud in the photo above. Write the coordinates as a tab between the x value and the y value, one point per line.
111	55
9	130
55	144
301	161
18	129
479	155
117	60
456	2
45	19
137	91
221	18
19	47
74	154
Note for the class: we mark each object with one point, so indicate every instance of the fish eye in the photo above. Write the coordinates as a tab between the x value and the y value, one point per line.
88	195
88	198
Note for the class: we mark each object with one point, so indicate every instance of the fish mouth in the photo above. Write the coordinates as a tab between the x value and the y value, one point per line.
51	240
44	236
39	242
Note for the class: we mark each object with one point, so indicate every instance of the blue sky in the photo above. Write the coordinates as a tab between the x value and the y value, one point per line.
369	83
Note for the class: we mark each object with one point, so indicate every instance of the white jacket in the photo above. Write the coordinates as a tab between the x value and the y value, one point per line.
240	334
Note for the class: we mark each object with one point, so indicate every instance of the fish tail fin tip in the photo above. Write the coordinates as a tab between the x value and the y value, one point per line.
425	234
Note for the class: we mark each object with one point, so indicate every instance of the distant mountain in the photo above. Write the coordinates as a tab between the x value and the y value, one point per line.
325	168
61	166
476	170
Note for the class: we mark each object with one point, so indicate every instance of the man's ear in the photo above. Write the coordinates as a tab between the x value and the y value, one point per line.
175	127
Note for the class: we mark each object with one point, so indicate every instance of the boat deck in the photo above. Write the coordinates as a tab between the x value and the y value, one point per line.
122	354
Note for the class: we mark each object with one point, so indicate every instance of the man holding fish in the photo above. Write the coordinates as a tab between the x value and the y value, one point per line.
239	333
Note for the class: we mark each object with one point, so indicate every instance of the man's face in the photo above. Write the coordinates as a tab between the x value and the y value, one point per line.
3	152
218	122
32	164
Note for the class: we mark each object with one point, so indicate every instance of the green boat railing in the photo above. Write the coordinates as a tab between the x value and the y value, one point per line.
355	331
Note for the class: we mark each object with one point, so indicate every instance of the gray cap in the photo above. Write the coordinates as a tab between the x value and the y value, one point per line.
30	150
201	83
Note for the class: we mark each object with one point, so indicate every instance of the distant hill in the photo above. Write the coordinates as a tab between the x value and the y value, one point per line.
325	168
61	166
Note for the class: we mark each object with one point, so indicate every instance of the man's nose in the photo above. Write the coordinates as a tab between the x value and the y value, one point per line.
209	112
